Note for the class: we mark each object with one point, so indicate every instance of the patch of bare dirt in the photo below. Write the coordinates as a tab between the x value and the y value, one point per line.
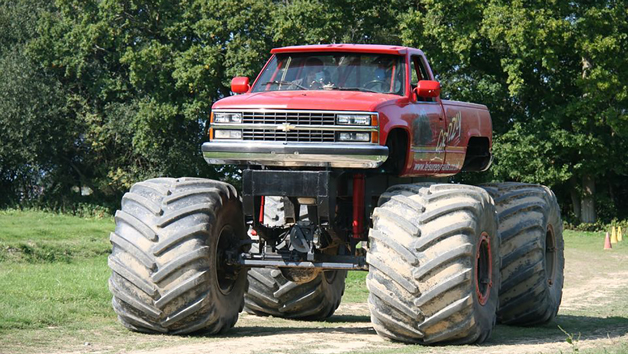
350	330
357	335
353	333
593	292
558	345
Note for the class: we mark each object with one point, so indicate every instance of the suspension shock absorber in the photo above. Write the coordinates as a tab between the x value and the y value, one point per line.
358	206
261	210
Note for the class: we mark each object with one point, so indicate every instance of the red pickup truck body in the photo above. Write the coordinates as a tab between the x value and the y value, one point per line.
437	132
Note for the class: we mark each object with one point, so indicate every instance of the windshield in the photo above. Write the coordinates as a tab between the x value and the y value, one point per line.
379	73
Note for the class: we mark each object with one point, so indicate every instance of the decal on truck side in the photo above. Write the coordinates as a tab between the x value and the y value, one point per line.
454	129
428	157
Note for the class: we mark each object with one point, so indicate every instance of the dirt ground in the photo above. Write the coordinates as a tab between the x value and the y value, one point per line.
359	336
594	306
586	298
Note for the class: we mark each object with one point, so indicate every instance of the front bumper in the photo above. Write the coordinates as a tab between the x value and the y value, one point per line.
295	154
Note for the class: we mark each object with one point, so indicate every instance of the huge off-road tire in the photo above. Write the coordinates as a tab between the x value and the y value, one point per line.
272	293
434	264
168	269
532	253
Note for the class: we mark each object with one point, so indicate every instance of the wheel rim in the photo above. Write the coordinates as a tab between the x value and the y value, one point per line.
550	255
483	269
226	274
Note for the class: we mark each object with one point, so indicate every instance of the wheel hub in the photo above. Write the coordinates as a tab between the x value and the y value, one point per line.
483	269
226	273
550	255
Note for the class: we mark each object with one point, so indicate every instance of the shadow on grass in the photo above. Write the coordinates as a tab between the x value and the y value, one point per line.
278	326
588	327
349	318
248	331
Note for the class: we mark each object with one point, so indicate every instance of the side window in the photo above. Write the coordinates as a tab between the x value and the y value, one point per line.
422	70
419	73
414	71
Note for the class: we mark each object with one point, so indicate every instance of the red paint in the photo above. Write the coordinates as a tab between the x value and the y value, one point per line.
317	100
240	84
261	211
483	296
394	70
358	205
438	130
428	88
355	48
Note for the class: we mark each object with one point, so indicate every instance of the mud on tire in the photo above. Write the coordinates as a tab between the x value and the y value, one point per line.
434	264
271	293
532	252
168	274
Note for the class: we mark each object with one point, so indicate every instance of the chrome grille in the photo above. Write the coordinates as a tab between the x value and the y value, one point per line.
297	117
303	136
316	126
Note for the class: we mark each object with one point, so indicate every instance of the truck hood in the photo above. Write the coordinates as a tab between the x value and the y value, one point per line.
315	100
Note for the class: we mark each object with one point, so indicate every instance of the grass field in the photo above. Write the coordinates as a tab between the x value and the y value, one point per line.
54	297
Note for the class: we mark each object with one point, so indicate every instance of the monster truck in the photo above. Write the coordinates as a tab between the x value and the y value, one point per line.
345	151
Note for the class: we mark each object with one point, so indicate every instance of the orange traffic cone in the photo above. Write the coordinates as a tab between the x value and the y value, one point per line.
607	242
613	235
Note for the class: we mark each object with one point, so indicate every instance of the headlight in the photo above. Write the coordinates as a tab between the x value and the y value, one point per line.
353	119
227	117
351	136
227	134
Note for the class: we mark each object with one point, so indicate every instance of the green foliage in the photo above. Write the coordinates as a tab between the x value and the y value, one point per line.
571	340
51	237
551	75
53	269
101	94
52	294
36	129
355	287
598	226
591	227
58	305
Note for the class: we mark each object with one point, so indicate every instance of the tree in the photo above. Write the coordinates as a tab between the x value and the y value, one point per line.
128	85
547	71
37	131
142	76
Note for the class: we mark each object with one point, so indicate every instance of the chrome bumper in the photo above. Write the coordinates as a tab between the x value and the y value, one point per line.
294	154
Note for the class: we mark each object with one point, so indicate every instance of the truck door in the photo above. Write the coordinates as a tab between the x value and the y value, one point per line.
428	126
454	148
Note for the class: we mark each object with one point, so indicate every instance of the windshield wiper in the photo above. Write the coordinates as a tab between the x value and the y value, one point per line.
362	89
281	82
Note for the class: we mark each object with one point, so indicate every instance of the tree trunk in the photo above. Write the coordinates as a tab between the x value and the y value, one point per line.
588	183
588	202
575	202
575	197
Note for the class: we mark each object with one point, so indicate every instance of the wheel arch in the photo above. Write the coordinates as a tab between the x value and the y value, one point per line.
397	140
478	157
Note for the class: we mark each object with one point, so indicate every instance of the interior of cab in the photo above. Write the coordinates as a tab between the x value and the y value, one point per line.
367	72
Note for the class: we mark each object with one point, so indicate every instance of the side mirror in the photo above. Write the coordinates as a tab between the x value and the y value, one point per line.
240	84
427	88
